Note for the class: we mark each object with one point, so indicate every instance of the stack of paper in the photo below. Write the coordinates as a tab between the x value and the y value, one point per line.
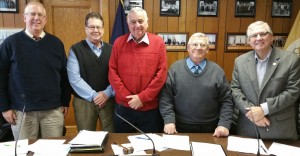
8	148
49	147
282	150
89	141
199	148
246	145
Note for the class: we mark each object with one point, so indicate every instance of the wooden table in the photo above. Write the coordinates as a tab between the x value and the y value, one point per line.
195	137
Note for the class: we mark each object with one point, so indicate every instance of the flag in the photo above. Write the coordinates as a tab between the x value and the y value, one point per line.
293	41
120	25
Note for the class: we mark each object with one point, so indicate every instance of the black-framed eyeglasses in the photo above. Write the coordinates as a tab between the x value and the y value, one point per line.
94	27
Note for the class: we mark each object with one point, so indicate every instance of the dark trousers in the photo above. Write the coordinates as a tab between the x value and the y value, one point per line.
196	128
147	121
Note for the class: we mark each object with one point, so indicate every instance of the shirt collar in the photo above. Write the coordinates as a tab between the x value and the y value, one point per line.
191	64
256	57
144	39
92	46
30	35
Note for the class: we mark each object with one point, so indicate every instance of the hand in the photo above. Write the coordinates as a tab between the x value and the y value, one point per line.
255	113
170	128
100	99
135	102
263	122
10	116
64	110
221	131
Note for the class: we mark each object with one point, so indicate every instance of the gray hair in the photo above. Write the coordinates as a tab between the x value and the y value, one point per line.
139	11
199	35
34	3
256	24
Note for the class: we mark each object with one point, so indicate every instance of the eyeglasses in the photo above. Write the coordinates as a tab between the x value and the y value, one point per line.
133	22
262	34
94	27
202	45
33	14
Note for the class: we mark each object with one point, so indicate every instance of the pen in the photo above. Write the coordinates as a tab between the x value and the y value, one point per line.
142	138
264	149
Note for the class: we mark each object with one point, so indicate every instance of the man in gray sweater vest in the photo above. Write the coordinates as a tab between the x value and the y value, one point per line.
196	97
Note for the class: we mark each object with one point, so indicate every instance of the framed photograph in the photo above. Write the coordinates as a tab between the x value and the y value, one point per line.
207	8
9	6
170	7
174	41
128	4
4	33
212	37
281	8
245	8
279	39
237	42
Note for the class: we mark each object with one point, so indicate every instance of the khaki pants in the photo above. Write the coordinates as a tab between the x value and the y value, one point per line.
87	114
49	123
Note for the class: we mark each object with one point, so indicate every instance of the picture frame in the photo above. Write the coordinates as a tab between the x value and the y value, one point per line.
170	7
281	8
207	8
9	6
279	40
5	32
129	4
174	41
245	8
212	37
237	42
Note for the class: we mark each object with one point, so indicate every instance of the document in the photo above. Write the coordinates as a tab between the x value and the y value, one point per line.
141	142
179	142
283	150
85	137
49	147
88	141
8	148
199	148
246	145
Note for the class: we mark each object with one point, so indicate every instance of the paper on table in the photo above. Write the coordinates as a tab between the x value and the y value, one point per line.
199	148
49	147
119	151
85	137
8	148
283	150
141	142
179	142
246	145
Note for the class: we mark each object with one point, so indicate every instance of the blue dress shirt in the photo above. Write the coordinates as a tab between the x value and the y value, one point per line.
78	84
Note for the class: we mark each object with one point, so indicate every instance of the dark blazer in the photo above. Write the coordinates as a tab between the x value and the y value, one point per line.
279	88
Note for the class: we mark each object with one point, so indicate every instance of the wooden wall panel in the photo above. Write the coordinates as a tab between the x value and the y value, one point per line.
65	20
187	22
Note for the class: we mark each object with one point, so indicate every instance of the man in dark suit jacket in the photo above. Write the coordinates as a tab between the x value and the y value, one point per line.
265	87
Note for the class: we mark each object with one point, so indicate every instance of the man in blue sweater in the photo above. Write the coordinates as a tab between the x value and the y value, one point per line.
196	97
34	89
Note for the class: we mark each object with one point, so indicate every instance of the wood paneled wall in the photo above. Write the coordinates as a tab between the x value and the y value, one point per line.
189	22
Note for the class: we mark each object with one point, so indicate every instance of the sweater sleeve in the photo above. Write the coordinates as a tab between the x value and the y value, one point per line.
114	77
166	102
226	104
4	70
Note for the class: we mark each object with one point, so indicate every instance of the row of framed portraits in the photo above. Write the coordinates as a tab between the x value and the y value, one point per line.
243	8
234	42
